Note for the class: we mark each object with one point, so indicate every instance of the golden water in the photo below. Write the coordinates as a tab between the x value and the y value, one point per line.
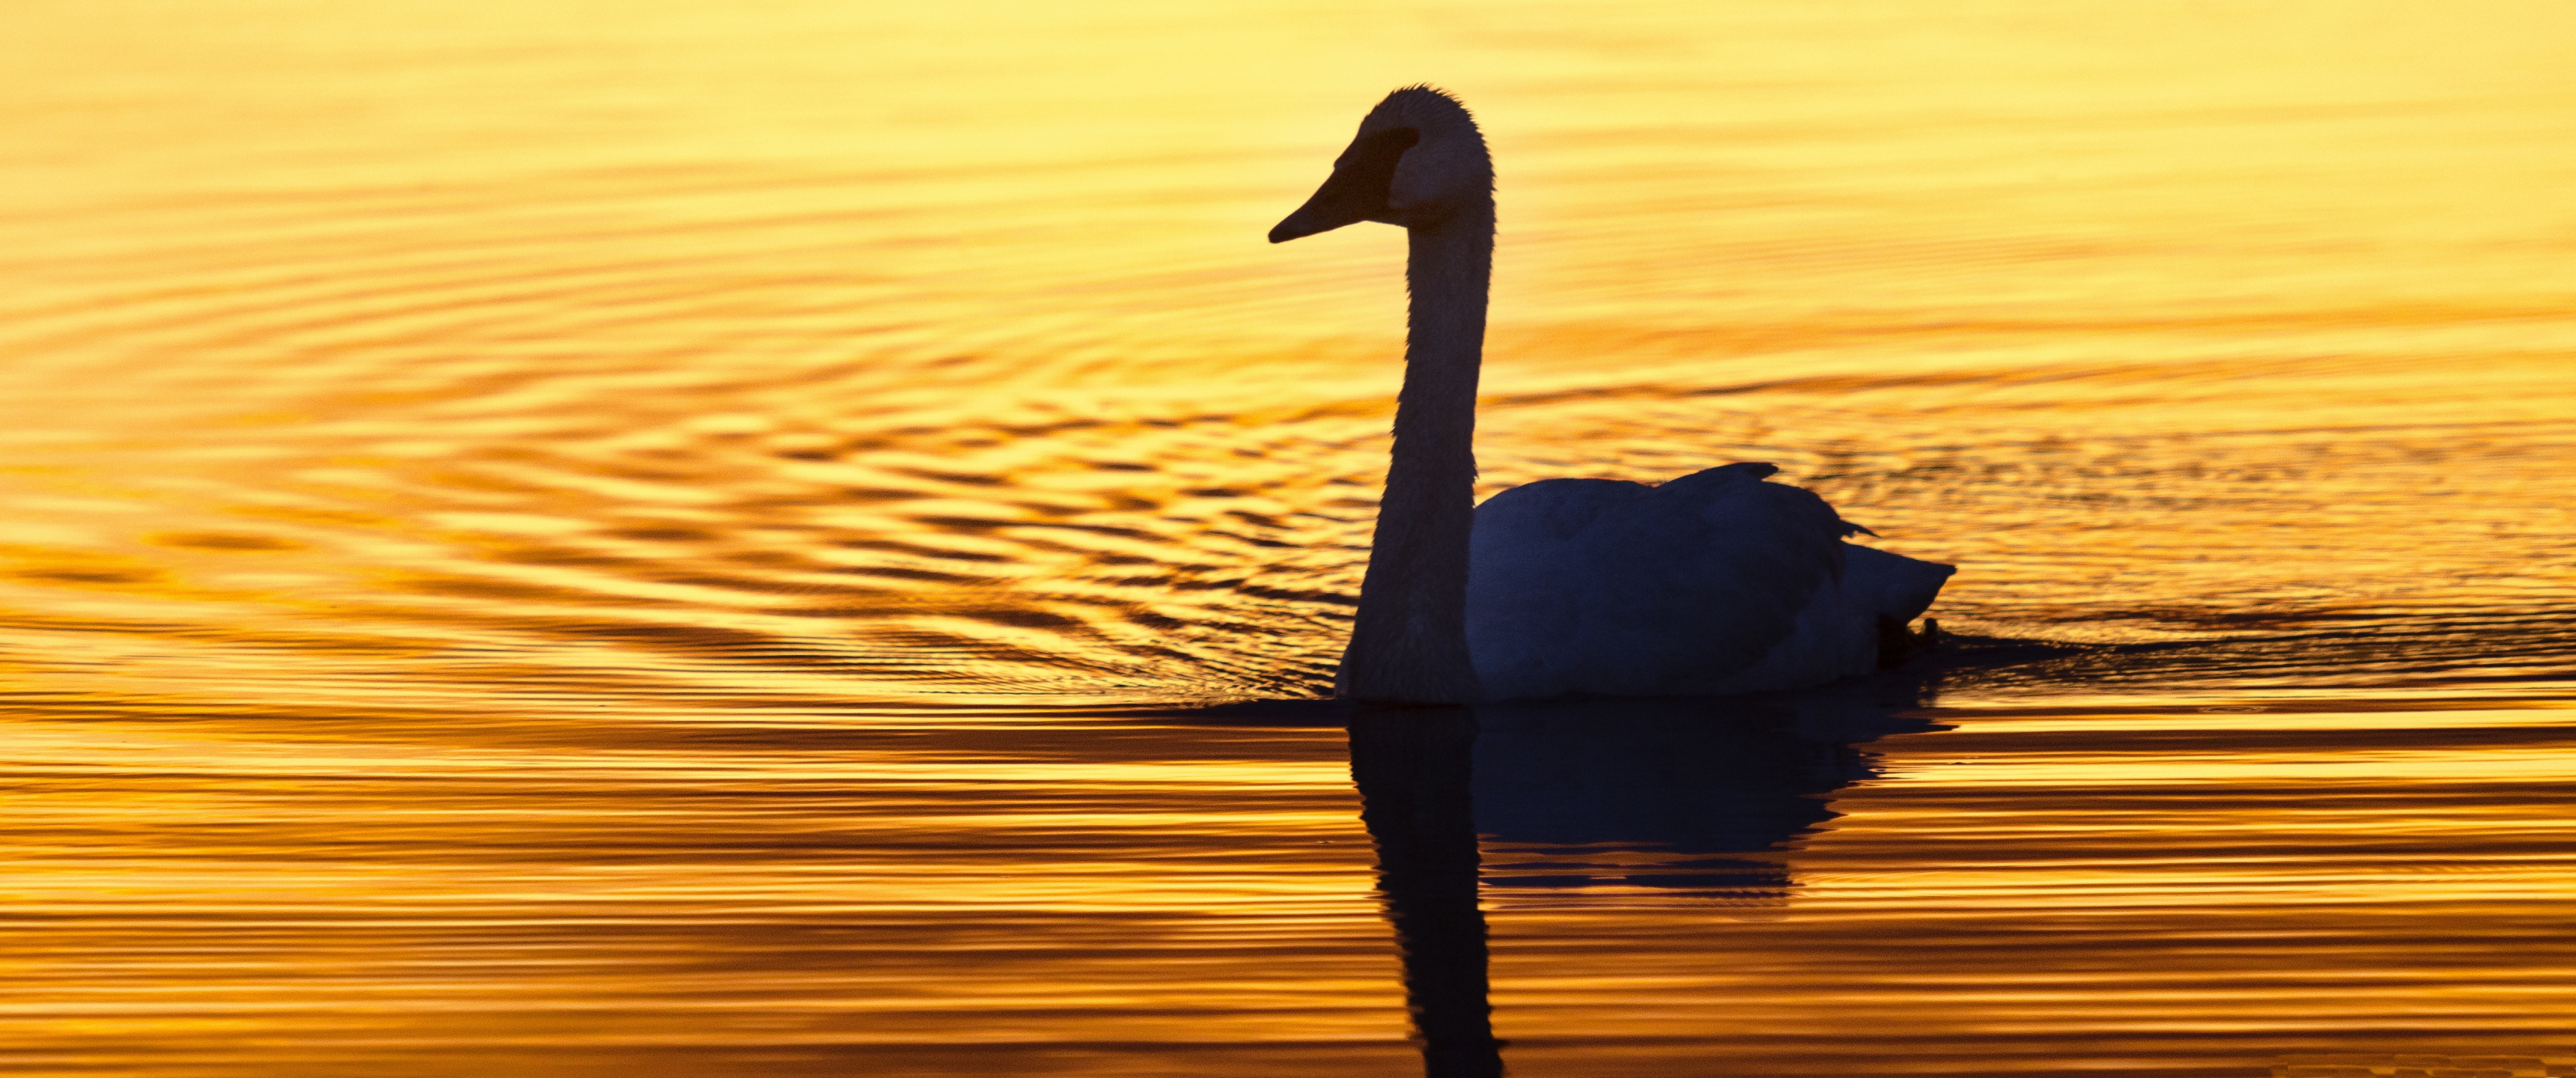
579	538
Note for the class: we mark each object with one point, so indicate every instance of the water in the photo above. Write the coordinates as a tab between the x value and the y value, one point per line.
585	538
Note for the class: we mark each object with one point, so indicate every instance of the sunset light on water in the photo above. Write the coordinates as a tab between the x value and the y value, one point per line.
806	538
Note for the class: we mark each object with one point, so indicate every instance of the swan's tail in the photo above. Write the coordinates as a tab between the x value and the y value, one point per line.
1894	586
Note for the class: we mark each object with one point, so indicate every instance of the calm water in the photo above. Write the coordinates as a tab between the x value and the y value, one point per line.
574	538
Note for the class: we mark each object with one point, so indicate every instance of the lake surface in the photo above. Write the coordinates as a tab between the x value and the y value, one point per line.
789	537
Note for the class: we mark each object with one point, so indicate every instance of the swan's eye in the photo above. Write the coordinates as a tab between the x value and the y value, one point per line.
1370	164
1389	144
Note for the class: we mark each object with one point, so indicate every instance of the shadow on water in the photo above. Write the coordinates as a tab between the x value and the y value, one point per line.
1664	794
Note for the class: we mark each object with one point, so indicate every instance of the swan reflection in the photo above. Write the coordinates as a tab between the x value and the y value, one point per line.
1677	795
1414	767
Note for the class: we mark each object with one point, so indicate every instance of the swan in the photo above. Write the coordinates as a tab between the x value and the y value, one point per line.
1716	582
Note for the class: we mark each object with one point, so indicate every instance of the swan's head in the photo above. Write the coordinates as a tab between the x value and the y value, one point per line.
1418	161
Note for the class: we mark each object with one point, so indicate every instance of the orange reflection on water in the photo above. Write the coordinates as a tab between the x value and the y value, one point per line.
586	538
790	350
2043	886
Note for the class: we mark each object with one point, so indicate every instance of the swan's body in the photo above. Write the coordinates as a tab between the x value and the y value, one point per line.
1716	582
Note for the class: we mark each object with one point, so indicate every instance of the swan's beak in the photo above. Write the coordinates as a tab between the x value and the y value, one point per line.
1357	189
1339	202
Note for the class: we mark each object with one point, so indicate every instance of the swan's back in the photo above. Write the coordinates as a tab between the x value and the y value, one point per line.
1716	582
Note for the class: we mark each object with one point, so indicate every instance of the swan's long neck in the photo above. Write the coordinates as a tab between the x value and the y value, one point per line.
1409	641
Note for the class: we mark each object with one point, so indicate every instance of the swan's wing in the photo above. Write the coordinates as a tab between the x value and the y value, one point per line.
1800	509
1726	562
1604	586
